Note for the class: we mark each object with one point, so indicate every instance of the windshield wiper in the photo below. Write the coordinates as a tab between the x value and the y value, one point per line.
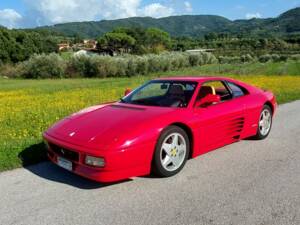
122	100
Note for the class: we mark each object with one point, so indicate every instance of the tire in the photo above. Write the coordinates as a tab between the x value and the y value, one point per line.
264	128
169	157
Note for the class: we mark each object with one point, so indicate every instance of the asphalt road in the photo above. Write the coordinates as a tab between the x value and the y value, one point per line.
249	182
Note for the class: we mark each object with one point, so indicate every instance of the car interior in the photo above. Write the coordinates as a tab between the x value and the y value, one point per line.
214	88
170	95
178	94
225	90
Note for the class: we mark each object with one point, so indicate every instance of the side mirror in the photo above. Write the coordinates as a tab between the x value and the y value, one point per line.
208	100
127	92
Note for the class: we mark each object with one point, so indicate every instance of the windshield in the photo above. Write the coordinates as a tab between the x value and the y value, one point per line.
162	93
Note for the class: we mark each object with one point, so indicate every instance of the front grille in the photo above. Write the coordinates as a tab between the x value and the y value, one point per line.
65	153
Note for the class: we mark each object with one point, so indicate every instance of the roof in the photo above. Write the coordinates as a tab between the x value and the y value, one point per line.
194	78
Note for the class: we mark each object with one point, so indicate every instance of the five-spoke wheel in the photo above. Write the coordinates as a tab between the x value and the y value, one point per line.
171	152
265	123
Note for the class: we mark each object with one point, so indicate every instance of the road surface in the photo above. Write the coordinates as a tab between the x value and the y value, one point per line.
249	182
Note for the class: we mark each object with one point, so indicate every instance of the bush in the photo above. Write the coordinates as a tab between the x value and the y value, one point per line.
229	59
295	57
142	65
53	66
194	59
10	70
265	58
283	58
43	66
247	58
275	58
154	63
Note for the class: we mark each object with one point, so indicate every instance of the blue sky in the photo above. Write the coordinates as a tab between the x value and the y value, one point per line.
31	13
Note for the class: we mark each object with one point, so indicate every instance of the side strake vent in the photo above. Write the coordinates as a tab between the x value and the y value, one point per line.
127	107
236	127
230	129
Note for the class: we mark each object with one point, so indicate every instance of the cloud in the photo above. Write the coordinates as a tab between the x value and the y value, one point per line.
188	6
253	15
57	11
156	10
44	12
115	9
9	18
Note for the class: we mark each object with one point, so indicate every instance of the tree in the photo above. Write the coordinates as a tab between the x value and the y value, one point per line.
19	45
156	38
117	42
77	39
211	36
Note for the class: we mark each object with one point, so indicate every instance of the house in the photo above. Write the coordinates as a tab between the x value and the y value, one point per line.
84	52
199	50
63	46
89	43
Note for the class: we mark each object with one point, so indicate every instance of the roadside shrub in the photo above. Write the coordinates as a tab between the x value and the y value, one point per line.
209	58
103	66
121	66
283	58
295	57
131	67
229	59
54	66
275	58
80	65
43	66
10	70
194	59
247	58
142	65
154	64
177	60
265	58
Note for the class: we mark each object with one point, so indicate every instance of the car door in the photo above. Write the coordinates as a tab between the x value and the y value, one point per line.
221	123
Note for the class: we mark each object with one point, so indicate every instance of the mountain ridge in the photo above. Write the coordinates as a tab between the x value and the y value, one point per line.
188	25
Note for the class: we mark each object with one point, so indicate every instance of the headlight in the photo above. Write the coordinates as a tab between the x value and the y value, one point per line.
94	161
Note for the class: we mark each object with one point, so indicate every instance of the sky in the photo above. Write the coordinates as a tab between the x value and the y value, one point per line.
33	13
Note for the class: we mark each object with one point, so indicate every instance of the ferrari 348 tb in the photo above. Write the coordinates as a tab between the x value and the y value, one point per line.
158	126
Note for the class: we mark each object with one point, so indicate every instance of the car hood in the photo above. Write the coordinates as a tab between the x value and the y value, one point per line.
105	125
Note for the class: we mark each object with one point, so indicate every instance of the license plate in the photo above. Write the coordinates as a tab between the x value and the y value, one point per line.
66	164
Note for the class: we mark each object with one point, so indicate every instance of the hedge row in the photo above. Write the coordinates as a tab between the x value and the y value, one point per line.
262	58
53	66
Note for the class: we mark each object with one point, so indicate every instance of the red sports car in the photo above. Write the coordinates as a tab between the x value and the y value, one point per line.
158	126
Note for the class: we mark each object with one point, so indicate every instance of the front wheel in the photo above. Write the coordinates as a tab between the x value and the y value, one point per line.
265	123
171	152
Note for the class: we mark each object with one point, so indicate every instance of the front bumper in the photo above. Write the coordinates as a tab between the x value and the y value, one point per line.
119	165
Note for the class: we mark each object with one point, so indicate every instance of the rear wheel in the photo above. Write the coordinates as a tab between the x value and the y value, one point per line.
171	152
265	123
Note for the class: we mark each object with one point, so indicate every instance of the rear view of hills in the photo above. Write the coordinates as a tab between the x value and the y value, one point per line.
188	25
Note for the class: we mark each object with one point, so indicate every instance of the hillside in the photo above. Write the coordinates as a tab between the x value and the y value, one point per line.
188	25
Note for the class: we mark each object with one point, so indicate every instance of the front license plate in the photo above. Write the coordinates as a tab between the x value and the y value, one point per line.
66	164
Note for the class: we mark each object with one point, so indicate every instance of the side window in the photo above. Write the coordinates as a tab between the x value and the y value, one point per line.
236	90
215	88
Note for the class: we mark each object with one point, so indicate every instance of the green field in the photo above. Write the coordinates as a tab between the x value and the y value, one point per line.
28	107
